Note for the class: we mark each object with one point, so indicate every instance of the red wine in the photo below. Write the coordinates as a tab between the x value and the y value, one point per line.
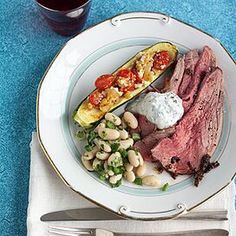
70	16
62	5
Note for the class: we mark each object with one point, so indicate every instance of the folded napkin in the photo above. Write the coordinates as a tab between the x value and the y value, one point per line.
48	193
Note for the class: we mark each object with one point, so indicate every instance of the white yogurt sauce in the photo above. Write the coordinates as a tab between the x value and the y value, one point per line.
162	109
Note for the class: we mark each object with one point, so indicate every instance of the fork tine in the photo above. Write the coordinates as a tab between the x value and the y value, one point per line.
71	229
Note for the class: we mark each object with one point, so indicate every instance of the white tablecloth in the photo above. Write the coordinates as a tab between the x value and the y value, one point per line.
48	193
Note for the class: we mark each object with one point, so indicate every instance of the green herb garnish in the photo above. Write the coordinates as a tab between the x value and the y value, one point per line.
88	148
80	135
110	168
138	181
117	162
115	147
165	187
136	136
118	170
91	136
110	125
102	177
101	172
117	184
124	154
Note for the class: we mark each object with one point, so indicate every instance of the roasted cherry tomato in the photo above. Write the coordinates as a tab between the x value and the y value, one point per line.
126	73
161	60
104	81
126	80
95	98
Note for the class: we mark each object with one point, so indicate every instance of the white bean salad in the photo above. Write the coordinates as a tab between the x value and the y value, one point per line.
111	154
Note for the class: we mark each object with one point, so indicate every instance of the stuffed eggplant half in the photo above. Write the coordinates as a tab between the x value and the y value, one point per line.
113	90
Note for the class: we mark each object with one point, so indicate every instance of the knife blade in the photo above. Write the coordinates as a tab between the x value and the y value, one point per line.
99	214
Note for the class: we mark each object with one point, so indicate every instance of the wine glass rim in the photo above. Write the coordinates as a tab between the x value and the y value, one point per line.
59	11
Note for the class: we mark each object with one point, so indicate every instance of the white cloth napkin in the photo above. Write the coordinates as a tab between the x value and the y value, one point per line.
47	193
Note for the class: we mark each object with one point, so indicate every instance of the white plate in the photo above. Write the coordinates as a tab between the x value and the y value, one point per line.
70	78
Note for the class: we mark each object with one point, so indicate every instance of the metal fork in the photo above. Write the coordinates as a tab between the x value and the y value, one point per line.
69	231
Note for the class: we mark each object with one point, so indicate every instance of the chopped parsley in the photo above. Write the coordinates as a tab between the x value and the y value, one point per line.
117	162
115	147
117	184
80	135
138	181
110	125
118	170
165	187
91	136
101	172
102	177
88	148
136	136
124	154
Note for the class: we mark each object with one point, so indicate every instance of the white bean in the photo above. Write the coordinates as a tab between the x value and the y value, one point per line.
141	162
108	134
110	173
87	164
128	167
113	118
115	178
102	145
151	180
129	176
105	165
140	171
91	154
123	134
125	144
103	121
135	158
102	155
101	125
115	160
96	163
130	120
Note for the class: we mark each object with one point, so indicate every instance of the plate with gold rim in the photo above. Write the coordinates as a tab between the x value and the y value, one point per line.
70	78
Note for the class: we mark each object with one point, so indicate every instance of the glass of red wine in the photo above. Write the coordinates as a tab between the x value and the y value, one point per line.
66	17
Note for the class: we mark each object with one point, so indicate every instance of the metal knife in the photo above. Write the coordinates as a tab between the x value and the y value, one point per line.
99	214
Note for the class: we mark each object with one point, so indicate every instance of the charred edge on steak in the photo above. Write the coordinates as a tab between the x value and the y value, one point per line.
172	174
159	167
174	159
205	167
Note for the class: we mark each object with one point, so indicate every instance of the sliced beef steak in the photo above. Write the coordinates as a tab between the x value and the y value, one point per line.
146	144
198	132
174	82
191	59
145	127
204	65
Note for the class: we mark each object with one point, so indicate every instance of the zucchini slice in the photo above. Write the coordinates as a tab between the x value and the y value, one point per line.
86	115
